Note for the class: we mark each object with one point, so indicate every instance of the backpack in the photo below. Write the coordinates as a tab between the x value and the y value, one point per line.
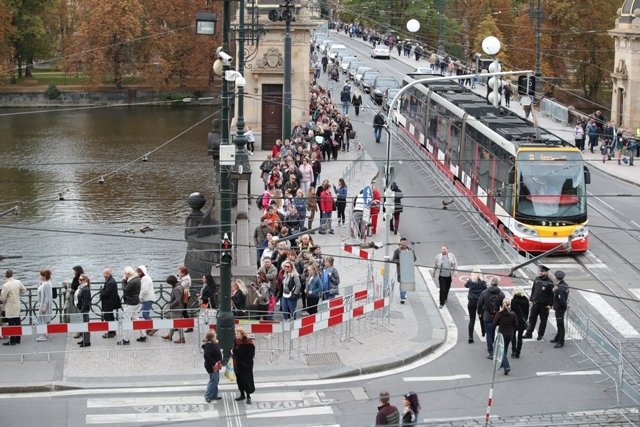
259	201
493	305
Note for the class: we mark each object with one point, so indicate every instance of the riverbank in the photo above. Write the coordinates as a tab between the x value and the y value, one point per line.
38	96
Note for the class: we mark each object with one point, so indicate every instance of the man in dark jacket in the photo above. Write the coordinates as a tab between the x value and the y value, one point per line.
560	304
378	124
489	304
130	298
109	299
388	414
345	98
541	301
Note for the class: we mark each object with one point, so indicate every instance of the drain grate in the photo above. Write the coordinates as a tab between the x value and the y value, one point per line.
319	359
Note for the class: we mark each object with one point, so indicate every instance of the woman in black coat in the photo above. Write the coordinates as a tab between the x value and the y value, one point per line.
506	323
476	285
84	307
243	353
208	295
520	307
212	356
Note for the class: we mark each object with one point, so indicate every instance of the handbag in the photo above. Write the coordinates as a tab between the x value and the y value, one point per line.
352	134
229	371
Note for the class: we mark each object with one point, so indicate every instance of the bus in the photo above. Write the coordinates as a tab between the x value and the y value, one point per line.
527	182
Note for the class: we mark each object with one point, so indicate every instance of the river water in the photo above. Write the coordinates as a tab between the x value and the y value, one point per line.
45	153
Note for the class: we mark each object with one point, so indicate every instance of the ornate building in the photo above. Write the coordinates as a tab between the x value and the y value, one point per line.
625	103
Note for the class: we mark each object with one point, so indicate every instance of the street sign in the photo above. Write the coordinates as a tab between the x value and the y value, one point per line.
498	350
367	195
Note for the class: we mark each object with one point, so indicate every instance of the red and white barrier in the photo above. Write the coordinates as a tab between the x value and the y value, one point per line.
337	314
356	251
258	327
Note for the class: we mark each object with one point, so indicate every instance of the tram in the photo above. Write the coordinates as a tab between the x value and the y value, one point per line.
527	182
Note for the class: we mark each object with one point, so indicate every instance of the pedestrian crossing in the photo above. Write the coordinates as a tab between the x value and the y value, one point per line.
589	303
614	319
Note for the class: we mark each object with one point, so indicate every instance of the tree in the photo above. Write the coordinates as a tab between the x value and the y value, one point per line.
7	31
174	54
108	38
31	40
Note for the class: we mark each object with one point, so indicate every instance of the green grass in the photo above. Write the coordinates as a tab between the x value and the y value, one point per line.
58	78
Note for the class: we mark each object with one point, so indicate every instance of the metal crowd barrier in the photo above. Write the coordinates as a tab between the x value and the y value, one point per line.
606	352
555	111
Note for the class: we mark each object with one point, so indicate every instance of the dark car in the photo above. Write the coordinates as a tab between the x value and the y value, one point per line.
368	80
380	85
389	94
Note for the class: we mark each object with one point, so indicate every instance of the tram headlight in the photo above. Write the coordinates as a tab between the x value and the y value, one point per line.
580	232
526	230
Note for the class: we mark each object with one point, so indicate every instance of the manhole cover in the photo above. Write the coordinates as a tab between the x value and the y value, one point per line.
319	359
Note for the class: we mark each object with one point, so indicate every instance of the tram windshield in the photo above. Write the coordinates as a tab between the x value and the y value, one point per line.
551	185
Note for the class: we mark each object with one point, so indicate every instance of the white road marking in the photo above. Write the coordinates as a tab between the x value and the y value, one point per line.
119	402
298	412
614	318
484	267
568	265
430	379
636	292
165	417
567	373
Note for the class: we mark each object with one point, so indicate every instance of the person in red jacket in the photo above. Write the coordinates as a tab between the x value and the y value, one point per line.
376	202
326	209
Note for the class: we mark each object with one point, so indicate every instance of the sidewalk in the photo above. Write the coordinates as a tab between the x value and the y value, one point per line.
624	172
413	330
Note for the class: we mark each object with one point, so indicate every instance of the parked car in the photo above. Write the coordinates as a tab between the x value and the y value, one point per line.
345	61
381	51
380	85
388	96
352	68
359	72
424	70
335	49
340	56
368	79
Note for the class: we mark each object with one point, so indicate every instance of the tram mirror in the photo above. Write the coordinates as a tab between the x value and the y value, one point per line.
587	175
512	176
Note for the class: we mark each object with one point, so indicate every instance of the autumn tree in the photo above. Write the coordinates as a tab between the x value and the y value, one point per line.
7	31
108	38
174	54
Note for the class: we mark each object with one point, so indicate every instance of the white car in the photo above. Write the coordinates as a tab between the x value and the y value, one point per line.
380	51
335	49
424	70
359	72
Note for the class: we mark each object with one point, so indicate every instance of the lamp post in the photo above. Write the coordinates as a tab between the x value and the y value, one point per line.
240	140
286	13
388	194
491	46
441	50
225	320
538	67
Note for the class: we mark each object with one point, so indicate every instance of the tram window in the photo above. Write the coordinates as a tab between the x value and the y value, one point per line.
484	169
501	185
455	143
468	157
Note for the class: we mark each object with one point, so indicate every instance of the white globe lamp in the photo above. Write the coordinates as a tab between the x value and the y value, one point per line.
491	45
413	25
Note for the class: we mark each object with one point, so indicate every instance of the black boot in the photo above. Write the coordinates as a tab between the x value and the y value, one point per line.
248	399
241	397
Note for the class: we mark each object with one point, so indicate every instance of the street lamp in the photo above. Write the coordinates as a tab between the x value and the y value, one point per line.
286	13
205	23
387	170
225	320
491	46
441	50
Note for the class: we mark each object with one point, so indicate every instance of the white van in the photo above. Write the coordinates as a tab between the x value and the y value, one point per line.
336	49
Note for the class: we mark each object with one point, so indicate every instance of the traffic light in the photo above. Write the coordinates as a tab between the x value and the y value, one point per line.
494	85
225	247
523	82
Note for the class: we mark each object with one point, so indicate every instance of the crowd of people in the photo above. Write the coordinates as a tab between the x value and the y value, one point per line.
596	133
515	319
136	299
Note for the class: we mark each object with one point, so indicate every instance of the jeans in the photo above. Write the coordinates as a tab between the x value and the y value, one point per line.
377	133
211	393
490	332
325	221
146	308
130	313
289	307
472	307
345	107
505	357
